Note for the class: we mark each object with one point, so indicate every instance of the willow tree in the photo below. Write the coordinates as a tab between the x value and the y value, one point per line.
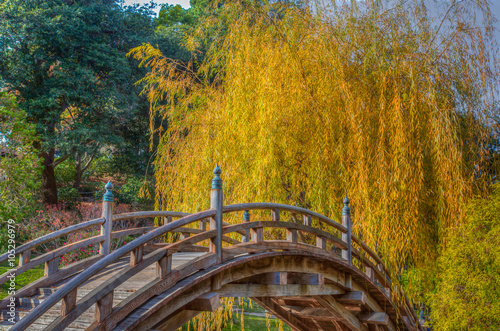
303	104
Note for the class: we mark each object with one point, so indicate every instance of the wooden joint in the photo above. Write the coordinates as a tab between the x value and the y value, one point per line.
104	307
136	255
69	302
51	266
185	235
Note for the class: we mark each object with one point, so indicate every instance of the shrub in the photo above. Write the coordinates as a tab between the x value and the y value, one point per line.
468	288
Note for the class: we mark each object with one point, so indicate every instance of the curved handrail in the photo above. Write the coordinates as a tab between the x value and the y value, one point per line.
144	214
101	291
51	236
265	205
188	219
103	263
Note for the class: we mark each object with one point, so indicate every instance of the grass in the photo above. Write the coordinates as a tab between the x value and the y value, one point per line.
22	279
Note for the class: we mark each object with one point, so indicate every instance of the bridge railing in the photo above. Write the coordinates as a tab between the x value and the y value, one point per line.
252	239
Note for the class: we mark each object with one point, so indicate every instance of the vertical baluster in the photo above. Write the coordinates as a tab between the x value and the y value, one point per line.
291	235
246	219
216	202
104	307
107	213
346	237
307	220
24	257
275	215
52	266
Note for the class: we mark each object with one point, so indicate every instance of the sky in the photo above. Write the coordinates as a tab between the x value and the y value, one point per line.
183	3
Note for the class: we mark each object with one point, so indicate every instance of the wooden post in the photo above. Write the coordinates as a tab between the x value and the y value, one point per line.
216	202
275	215
107	213
307	220
346	237
24	257
246	219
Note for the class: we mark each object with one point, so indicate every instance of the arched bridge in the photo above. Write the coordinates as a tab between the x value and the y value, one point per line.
319	276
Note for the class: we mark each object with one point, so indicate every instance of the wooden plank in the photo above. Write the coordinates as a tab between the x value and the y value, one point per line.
257	235
104	307
148	214
249	290
177	320
378	318
275	215
164	266
136	255
24	257
291	235
69	302
130	232
353	298
321	242
206	302
307	279
307	220
336	308
51	266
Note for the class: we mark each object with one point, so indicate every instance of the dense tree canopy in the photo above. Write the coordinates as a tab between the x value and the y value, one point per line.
66	62
305	104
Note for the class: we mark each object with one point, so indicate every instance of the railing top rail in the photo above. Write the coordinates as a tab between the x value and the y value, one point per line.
51	236
264	205
144	214
103	263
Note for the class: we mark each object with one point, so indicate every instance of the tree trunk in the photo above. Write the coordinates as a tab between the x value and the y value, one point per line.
78	173
49	185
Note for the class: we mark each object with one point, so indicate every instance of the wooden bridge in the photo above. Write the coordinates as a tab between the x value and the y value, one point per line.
320	276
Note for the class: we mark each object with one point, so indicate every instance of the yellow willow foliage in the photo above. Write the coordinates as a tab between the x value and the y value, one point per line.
306	104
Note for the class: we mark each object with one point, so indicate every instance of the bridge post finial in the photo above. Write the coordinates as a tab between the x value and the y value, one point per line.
246	218
216	202
107	214
346	237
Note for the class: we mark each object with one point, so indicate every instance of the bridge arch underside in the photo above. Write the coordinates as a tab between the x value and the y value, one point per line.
306	290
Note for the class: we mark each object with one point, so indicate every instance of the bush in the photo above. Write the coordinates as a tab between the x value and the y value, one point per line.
468	288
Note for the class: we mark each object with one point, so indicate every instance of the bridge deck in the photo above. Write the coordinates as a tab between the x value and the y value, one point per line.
83	322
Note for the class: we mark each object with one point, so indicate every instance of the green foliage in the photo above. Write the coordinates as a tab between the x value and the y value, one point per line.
66	62
174	15
468	288
19	167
